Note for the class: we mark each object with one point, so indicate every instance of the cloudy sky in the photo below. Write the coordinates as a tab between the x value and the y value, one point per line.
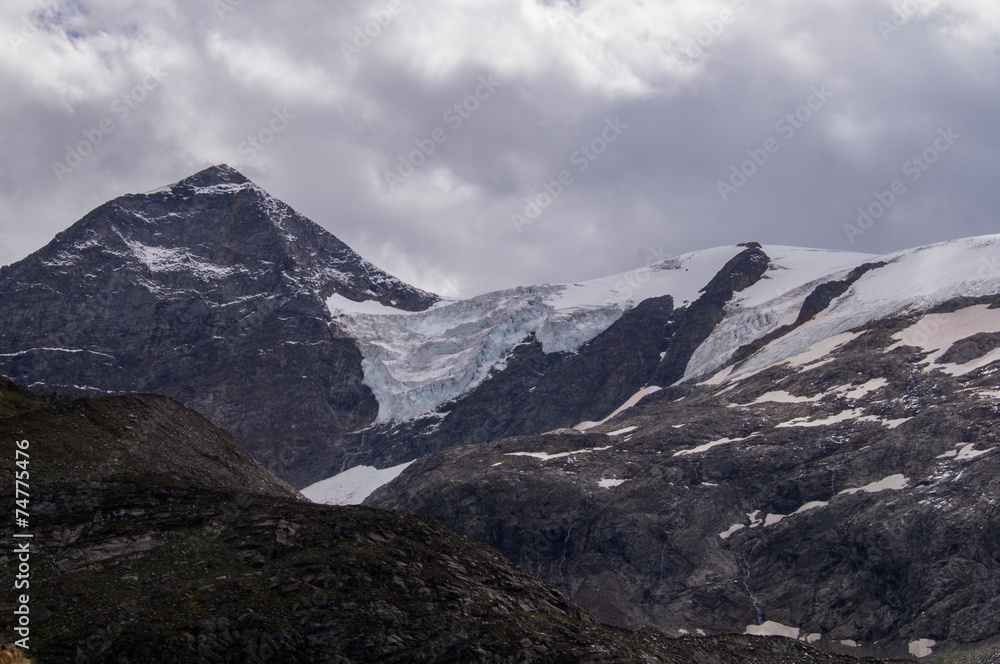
470	145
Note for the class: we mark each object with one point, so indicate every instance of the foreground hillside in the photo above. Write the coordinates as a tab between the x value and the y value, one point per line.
158	539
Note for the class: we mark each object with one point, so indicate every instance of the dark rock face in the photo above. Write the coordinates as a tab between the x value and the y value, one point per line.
848	509
972	347
157	538
213	293
697	321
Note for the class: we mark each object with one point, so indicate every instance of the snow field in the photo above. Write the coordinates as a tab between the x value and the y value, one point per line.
352	486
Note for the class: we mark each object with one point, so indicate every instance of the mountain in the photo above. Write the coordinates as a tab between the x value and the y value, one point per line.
825	467
755	438
157	538
212	292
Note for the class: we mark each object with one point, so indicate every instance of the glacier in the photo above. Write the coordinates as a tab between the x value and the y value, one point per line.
415	362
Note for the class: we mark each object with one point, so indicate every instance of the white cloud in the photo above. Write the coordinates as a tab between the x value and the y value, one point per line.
259	64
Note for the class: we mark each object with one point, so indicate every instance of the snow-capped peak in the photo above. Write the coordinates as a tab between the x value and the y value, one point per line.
915	279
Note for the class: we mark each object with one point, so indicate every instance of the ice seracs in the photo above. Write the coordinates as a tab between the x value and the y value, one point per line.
417	362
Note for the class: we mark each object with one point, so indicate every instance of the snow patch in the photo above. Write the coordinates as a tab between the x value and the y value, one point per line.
892	483
967	452
726	534
780	396
631	401
922	647
771	519
607	484
811	505
833	419
821	349
622	432
338	305
719	378
545	456
771	628
352	486
708	446
935	333
870	386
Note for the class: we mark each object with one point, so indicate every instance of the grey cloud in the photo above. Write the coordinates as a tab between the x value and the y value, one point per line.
449	226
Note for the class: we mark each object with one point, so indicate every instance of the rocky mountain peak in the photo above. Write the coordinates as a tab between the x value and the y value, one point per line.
214	175
196	290
218	231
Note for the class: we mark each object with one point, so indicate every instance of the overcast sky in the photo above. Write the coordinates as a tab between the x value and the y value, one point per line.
472	145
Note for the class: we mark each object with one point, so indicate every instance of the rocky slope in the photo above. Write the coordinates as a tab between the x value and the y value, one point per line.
158	539
213	293
838	483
